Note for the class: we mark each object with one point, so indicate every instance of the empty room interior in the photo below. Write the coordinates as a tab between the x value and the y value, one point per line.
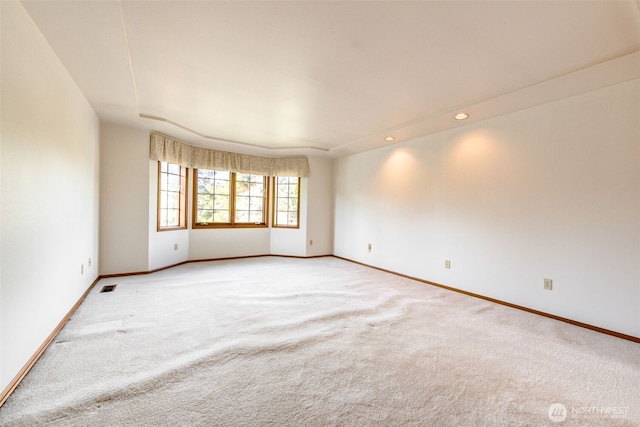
320	213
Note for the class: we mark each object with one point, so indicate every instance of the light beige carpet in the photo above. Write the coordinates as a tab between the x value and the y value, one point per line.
318	342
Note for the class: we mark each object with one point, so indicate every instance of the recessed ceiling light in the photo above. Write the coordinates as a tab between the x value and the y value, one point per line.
461	116
389	138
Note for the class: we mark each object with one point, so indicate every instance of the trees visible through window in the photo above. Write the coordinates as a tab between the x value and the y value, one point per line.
172	196
229	199
250	198
213	204
287	202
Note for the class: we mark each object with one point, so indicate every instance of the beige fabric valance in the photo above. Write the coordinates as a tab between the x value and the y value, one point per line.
166	149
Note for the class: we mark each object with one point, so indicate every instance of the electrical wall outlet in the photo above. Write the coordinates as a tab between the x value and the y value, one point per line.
447	263
175	246
89	263
81	268
369	247
548	284
310	242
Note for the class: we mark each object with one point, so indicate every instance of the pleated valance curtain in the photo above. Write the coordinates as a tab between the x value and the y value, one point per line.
166	149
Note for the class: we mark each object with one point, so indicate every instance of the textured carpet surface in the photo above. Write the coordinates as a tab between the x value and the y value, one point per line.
318	342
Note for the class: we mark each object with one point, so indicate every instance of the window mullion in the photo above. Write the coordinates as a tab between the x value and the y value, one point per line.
183	197
265	203
232	201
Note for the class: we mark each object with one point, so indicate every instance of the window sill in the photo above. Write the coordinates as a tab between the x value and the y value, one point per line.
170	229
209	226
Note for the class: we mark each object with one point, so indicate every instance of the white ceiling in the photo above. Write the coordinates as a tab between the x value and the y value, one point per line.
332	78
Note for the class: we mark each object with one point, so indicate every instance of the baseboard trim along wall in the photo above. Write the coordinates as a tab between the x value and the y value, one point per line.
32	361
508	304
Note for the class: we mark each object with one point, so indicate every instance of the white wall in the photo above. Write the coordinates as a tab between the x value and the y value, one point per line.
548	192
48	192
228	242
320	207
124	199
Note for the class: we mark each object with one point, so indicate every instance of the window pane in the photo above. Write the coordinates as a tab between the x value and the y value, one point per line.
222	187
174	169
293	218
173	182
282	218
256	204
205	201
220	175
242	203
257	189
173	217
204	216
221	202
293	204
173	201
204	185
242	216
163	181
242	189
221	216
255	217
163	218
206	173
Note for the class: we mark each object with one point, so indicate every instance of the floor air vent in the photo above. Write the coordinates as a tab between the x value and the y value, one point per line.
108	288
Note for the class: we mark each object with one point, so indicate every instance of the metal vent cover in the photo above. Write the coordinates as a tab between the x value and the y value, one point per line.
108	288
